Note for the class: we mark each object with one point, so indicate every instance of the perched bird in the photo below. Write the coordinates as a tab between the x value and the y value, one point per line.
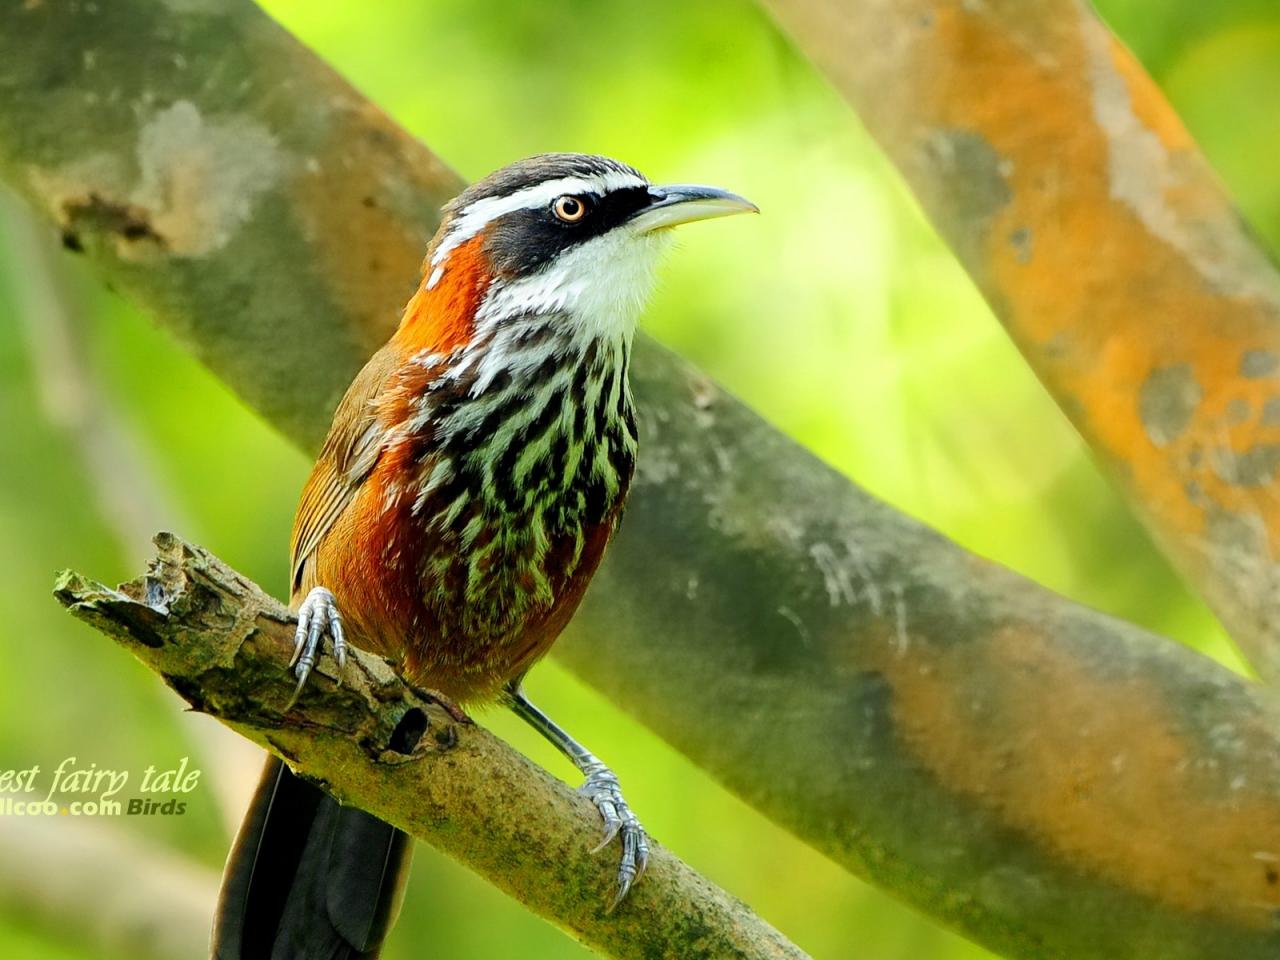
474	473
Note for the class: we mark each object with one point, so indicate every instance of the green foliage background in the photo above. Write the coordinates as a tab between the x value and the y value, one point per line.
838	314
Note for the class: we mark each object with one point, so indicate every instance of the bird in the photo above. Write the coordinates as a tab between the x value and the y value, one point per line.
473	475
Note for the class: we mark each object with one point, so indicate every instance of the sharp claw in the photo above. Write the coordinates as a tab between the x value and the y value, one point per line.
602	787
612	824
624	886
642	854
635	856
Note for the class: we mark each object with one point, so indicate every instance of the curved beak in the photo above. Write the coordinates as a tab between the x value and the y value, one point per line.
679	203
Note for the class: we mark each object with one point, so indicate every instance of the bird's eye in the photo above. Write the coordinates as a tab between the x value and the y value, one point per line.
569	209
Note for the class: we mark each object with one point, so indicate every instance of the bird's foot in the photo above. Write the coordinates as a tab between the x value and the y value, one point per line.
601	787
317	617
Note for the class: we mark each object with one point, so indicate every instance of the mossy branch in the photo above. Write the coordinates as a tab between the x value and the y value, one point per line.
224	646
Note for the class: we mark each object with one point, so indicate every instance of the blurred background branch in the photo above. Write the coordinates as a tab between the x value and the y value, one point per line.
121	476
1051	781
67	873
1100	236
129	493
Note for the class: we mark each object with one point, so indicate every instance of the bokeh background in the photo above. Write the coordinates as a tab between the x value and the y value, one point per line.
839	315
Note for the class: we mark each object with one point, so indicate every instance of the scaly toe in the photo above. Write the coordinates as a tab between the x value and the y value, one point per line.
612	822
317	616
300	635
642	852
601	786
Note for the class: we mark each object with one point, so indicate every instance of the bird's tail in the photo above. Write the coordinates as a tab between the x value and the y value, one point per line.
308	878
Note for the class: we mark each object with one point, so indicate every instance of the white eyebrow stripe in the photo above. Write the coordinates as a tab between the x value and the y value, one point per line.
479	214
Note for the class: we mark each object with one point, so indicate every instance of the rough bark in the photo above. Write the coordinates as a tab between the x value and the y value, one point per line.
224	646
1098	233
1052	782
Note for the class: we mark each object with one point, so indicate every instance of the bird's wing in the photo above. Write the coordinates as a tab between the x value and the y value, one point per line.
350	452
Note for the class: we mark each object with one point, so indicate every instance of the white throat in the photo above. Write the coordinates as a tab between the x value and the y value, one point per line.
600	286
591	295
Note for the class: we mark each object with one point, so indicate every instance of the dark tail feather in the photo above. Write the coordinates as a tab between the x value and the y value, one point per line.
307	878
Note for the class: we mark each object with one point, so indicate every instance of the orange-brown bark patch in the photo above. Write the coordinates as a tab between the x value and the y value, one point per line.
1101	237
1100	774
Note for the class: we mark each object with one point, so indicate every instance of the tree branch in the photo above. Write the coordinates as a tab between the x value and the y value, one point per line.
224	646
1078	202
1050	781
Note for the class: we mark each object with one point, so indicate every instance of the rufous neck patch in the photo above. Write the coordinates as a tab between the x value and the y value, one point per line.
441	315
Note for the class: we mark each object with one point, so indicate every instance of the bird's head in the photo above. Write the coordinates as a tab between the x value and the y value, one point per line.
564	235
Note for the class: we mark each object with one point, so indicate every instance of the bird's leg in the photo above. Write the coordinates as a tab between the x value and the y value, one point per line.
440	700
600	785
318	615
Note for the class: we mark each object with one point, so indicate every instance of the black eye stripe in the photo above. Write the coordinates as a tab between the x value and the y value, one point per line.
607	211
616	206
523	241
